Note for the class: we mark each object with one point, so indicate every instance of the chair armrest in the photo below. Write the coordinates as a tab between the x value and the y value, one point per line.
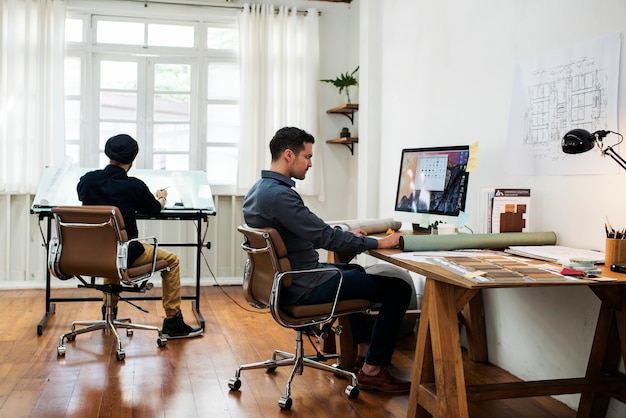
54	252
277	286
122	257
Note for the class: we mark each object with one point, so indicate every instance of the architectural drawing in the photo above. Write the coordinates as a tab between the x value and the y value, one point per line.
568	96
574	87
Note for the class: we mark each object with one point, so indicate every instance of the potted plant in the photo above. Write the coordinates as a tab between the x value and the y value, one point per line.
344	82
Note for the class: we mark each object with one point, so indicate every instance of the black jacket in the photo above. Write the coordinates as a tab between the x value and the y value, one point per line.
112	186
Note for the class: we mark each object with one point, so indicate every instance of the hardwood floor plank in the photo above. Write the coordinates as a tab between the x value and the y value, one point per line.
19	404
189	378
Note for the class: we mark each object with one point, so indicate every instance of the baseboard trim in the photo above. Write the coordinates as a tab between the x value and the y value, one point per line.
67	284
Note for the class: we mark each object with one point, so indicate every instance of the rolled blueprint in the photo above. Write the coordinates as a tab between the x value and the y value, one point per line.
371	226
477	241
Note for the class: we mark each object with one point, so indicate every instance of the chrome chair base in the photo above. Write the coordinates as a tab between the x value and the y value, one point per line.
299	361
109	325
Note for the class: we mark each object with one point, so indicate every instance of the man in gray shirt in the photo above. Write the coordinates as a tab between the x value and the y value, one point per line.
272	202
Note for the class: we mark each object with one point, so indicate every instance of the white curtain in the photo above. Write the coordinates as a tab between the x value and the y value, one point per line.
31	91
279	78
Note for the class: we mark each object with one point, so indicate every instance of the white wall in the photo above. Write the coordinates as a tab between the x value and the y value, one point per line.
447	78
338	54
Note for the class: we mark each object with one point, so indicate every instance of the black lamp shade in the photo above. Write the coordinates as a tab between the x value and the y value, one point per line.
577	141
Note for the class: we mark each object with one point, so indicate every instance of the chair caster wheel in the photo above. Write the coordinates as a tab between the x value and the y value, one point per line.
129	332
120	355
71	337
161	342
234	383
61	351
271	369
352	391
285	403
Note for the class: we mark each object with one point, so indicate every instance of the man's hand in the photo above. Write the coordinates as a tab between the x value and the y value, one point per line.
359	232
161	196
390	241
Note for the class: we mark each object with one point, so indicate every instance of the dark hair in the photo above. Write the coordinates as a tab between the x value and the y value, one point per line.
289	138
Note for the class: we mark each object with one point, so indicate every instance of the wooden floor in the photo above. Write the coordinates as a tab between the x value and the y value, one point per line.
188	378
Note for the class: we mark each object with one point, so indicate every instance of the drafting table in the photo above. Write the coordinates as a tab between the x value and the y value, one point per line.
189	199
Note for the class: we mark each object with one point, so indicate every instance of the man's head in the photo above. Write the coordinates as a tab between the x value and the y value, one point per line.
121	148
289	138
292	149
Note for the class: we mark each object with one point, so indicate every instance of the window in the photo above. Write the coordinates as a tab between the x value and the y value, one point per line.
172	85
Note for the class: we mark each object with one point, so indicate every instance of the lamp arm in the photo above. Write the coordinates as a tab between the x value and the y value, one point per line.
616	157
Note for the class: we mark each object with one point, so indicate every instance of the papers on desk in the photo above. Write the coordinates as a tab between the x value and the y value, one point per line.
556	253
488	266
427	256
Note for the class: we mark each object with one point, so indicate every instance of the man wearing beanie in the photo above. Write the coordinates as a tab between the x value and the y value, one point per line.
113	186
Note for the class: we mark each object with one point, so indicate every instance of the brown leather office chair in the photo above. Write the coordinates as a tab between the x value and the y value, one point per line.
91	241
268	271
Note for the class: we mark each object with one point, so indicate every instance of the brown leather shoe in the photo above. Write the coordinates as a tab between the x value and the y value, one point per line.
383	381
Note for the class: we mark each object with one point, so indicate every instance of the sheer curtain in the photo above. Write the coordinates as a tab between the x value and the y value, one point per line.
279	78
31	91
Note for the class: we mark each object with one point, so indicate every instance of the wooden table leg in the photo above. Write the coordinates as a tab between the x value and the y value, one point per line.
329	344
347	350
474	320
609	344
438	387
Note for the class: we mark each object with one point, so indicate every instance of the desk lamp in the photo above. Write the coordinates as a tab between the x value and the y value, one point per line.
578	141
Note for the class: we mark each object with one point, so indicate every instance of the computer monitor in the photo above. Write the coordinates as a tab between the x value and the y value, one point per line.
432	181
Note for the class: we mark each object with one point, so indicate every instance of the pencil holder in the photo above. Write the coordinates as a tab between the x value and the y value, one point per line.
615	251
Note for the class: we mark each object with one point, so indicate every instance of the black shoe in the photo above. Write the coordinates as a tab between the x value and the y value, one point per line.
175	327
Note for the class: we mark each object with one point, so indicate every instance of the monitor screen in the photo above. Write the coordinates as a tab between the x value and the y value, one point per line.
432	181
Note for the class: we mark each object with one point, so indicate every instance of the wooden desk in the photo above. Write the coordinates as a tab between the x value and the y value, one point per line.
471	316
439	388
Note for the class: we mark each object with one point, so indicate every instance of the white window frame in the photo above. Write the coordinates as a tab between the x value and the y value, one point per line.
199	56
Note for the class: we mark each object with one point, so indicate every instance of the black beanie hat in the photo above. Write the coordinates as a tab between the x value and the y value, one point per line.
122	148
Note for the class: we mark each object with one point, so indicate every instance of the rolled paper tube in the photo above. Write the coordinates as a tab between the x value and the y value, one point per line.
371	226
477	241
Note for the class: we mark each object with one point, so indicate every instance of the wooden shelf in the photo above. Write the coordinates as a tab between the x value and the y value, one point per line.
343	141
347	110
348	142
344	108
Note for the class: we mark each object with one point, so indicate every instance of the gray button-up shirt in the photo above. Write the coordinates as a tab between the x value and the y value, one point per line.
273	203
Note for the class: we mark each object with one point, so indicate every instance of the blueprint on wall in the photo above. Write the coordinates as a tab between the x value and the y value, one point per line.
575	87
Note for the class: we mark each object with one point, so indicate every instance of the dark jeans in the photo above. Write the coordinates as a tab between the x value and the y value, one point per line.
392	293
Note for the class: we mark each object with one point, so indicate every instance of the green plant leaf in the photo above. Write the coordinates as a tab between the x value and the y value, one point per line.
344	80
